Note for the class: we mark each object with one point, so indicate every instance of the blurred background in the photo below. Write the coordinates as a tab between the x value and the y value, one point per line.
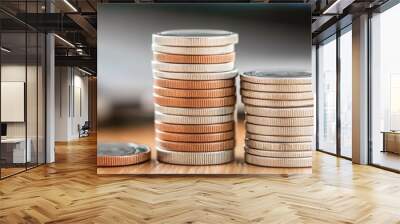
271	36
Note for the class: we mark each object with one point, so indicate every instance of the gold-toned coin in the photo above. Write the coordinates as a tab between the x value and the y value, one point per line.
277	96
277	103
207	137
194	59
271	138
280	131
216	111
280	112
276	88
195	38
198	128
172	67
277	78
195	158
190	84
278	162
194	102
194	50
195	146
196	75
279	146
195	93
278	154
176	119
122	154
282	122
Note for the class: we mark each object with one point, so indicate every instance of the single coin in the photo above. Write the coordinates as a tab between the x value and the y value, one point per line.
277	96
195	102
282	122
269	138
177	119
121	154
194	59
277	103
194	50
279	131
279	78
208	137
171	67
278	154
280	112
189	128
195	38
196	76
278	162
276	88
278	146
195	146
195	93
195	111
195	158
189	84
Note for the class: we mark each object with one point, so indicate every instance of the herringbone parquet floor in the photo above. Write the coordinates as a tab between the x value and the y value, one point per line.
69	191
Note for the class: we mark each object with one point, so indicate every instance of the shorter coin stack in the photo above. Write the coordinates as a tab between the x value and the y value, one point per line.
279	118
194	94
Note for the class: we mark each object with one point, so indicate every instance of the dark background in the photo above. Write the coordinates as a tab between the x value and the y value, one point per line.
271	37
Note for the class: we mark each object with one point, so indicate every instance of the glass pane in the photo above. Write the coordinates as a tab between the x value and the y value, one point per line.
22	89
41	99
31	98
386	89
13	88
346	94
327	96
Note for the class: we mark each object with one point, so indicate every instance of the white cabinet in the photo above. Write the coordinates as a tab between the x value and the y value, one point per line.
19	155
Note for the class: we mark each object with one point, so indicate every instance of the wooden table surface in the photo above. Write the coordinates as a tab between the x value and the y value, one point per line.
144	134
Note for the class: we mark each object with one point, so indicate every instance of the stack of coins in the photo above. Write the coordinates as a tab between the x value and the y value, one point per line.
279	118
194	94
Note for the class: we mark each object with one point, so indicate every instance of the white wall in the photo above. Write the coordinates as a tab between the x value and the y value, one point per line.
17	73
12	73
71	102
33	126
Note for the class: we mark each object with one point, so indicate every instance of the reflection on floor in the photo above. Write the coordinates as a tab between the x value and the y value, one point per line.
387	159
10	171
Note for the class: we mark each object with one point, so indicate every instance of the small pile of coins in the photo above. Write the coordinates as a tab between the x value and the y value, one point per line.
194	96
279	118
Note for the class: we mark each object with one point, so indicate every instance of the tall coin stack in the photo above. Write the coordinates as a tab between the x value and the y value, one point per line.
194	95
279	118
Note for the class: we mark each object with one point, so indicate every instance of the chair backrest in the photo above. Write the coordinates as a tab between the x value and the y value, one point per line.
86	125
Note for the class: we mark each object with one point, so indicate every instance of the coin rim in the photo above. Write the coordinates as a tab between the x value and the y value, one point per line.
194	59
173	67
195	158
305	162
206	128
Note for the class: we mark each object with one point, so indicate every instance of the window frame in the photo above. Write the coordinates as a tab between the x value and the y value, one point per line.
334	37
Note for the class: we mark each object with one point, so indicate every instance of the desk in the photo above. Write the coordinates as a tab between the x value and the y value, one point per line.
391	141
16	147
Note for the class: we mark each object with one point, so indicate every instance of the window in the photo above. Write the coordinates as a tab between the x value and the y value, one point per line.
327	96
346	92
22	77
334	106
385	89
